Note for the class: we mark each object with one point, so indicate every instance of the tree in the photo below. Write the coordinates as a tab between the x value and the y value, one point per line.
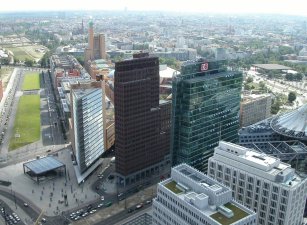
249	80
299	76
275	107
289	76
80	60
291	96
45	60
4	61
29	62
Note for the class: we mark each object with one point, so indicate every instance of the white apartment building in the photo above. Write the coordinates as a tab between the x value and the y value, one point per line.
260	182
190	197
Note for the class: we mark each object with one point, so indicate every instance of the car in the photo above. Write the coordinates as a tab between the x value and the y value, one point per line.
44	220
111	177
102	198
130	210
120	194
100	205
148	202
108	204
89	207
25	204
85	214
139	206
93	211
76	218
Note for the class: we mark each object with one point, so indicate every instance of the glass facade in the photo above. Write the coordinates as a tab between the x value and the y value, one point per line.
206	103
88	122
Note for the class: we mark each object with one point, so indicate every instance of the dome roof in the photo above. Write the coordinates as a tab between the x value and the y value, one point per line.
91	24
292	124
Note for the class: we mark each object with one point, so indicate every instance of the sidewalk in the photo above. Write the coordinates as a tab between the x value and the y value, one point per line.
49	194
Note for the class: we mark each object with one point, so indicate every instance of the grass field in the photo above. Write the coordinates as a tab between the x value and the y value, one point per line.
24	52
27	122
31	82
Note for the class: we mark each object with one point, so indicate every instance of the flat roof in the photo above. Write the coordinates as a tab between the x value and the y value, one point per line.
43	165
166	72
272	66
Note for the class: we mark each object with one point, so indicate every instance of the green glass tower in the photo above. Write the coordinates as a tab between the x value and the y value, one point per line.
206	104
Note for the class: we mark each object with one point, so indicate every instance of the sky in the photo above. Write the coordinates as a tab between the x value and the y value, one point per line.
290	7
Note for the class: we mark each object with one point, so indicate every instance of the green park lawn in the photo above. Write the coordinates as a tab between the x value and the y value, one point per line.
27	122
31	82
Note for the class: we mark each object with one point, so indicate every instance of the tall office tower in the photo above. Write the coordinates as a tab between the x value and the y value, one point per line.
99	46
206	102
88	123
255	108
191	197
142	127
260	182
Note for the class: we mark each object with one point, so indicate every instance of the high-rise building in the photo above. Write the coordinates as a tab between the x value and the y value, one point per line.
91	35
206	102
96	48
88	125
142	127
260	182
255	108
99	50
191	197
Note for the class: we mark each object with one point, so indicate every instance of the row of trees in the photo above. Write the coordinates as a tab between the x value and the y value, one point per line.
294	77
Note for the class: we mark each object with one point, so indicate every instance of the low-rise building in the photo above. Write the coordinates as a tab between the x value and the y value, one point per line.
254	108
191	197
260	182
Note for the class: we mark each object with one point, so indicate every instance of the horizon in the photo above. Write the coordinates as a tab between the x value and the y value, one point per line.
240	7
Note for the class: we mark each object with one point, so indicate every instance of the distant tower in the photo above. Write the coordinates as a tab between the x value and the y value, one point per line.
82	27
102	42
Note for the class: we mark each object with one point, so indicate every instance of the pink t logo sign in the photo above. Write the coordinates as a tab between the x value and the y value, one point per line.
204	67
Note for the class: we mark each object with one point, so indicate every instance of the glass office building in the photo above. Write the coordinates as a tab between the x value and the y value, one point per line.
88	126
206	103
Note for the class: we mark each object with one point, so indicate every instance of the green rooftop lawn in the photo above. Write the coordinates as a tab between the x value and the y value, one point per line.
238	214
27	122
31	82
172	186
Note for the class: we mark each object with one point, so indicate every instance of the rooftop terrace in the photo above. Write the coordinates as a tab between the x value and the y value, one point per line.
238	214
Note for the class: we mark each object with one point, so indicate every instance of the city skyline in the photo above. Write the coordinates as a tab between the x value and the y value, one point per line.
220	6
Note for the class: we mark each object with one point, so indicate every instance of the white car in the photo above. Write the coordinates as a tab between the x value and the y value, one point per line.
102	198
